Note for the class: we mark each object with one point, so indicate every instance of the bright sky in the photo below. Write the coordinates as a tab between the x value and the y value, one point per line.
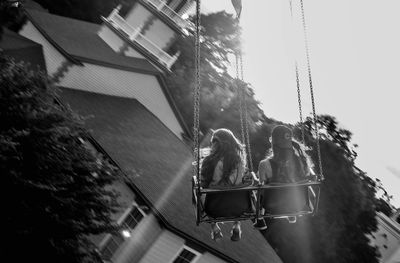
355	63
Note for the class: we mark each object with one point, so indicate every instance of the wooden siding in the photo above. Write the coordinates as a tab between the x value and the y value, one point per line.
209	258
141	240
145	88
386	238
164	249
54	59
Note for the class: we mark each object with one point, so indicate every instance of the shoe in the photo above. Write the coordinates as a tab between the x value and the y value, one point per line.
260	224
216	234
292	219
236	234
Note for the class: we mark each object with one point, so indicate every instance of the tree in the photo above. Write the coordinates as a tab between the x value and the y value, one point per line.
54	184
219	103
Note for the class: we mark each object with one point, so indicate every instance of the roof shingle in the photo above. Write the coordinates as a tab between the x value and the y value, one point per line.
80	40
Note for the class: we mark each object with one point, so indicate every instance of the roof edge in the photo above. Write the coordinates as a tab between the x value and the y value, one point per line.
175	109
115	66
48	38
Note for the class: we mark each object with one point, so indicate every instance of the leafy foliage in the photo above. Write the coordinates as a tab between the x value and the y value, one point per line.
219	101
55	182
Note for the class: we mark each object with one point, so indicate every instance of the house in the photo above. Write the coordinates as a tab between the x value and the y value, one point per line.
387	237
114	73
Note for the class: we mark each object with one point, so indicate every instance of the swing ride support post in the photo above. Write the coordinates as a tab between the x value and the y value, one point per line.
258	204
196	117
317	201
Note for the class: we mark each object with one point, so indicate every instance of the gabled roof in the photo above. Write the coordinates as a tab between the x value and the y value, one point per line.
159	166
78	40
22	49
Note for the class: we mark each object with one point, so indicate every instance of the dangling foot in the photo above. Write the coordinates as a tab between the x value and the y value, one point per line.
260	224
216	233
236	233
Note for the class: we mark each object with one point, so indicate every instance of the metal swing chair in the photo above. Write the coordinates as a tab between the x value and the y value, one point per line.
253	192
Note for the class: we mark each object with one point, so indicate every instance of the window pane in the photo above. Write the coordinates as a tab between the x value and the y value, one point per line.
185	257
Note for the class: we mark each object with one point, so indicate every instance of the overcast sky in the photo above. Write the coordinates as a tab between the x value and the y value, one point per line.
355	64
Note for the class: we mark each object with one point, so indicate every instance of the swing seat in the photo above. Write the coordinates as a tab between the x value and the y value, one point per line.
227	204
289	201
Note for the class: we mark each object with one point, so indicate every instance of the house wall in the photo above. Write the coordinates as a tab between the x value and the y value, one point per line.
53	58
387	239
395	258
168	246
164	249
143	239
143	87
160	34
156	31
116	43
138	15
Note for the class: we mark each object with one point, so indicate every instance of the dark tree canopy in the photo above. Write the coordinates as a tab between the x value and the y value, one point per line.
219	104
55	182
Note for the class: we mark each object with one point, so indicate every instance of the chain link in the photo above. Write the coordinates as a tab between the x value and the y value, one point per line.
196	98
246	117
311	88
303	140
240	95
296	67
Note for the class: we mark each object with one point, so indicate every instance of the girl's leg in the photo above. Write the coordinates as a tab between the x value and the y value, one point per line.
216	233
236	231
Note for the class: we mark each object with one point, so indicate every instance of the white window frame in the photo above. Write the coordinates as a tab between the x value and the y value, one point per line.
194	260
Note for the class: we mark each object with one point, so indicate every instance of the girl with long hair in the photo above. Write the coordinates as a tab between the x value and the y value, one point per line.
287	162
224	168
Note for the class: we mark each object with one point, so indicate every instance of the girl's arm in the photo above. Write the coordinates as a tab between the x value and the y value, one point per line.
264	171
218	171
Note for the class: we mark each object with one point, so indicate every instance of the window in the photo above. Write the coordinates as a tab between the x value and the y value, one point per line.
186	255
113	241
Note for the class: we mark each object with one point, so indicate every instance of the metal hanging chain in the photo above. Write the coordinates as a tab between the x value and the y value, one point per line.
298	84
243	107
196	98
246	117
303	138
239	92
311	88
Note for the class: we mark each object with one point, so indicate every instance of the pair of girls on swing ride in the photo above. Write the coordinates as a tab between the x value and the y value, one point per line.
224	167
